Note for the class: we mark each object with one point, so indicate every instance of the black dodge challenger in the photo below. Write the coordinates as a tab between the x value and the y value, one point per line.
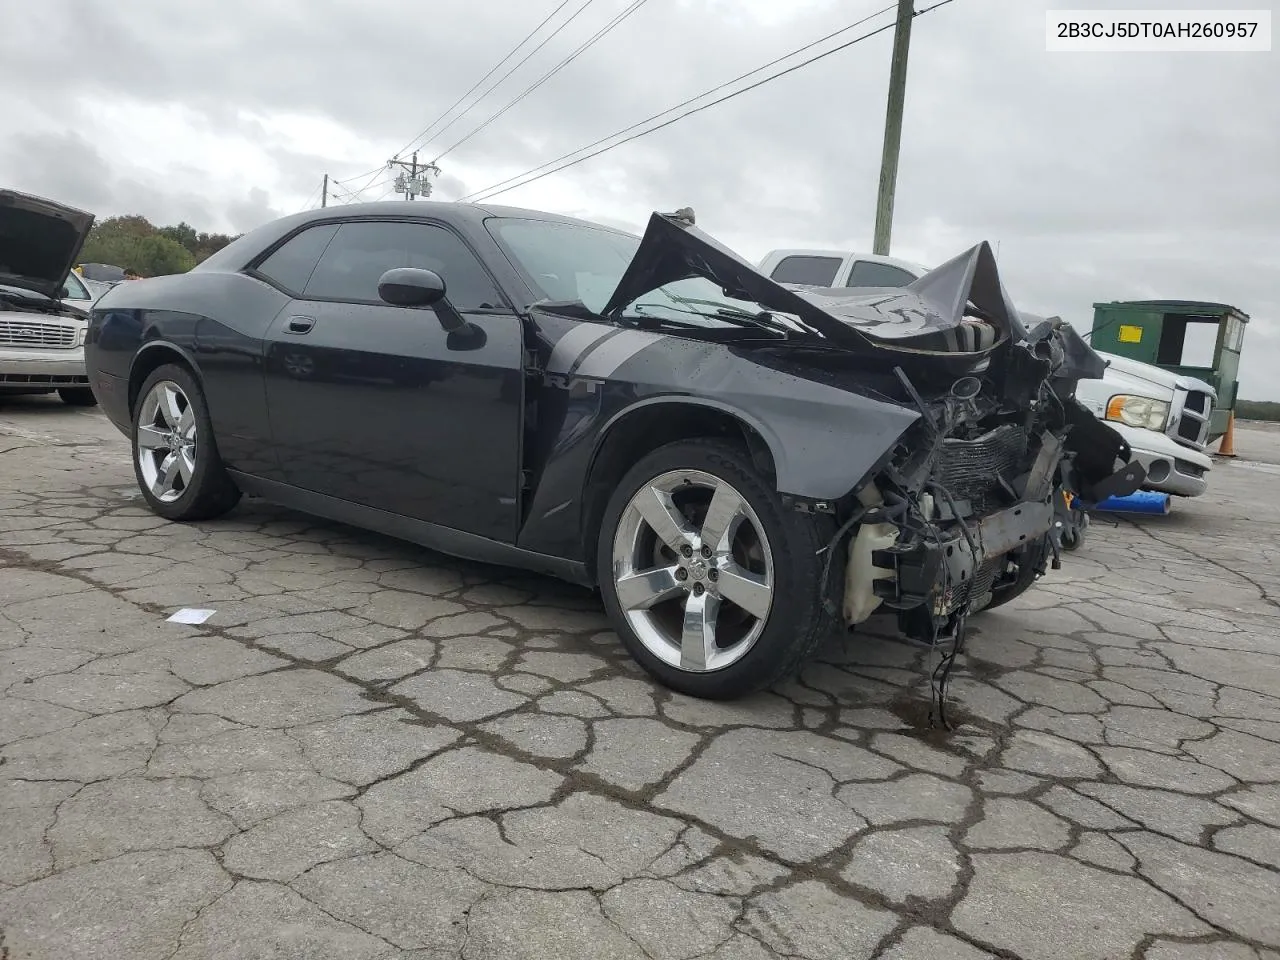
737	465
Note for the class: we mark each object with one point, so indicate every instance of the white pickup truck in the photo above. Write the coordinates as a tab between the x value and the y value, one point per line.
1163	416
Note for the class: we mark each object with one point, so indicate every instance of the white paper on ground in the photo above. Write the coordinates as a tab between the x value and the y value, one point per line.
191	615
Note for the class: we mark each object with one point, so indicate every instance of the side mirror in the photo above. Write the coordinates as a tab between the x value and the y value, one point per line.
413	287
468	337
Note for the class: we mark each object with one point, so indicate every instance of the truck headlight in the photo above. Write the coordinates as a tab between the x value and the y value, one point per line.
1138	411
80	335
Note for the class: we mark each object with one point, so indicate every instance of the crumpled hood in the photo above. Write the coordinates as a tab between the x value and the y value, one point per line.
39	242
674	249
1144	375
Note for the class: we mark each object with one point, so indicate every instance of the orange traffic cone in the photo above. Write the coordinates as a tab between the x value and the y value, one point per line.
1228	446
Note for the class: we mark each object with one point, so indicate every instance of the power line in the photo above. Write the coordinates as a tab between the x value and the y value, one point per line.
491	190
492	70
685	103
310	200
598	35
488	90
340	186
699	109
354	196
357	176
940	3
369	175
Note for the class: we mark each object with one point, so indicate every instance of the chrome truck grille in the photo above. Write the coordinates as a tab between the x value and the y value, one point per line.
34	333
1189	420
971	469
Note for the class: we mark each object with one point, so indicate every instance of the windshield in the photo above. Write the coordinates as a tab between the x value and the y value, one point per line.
567	261
74	289
9	290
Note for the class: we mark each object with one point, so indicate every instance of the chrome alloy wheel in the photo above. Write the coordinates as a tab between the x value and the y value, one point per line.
693	571
166	441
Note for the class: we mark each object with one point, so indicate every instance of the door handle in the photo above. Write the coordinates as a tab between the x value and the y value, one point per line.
300	324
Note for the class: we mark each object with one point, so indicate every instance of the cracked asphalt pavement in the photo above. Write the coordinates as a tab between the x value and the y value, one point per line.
372	751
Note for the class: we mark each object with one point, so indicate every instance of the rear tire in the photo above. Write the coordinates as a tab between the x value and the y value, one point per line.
733	619
175	455
78	396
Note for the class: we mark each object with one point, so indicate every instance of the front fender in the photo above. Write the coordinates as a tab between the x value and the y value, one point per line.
824	438
821	446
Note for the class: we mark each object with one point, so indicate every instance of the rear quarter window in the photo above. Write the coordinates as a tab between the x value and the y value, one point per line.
868	274
291	265
813	271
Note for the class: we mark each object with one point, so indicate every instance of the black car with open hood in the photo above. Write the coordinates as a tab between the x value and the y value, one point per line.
738	467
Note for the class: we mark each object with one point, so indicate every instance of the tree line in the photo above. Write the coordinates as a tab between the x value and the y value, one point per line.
136	244
1258	410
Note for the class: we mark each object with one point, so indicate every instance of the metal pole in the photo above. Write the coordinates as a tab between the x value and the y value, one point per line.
413	176
324	192
893	127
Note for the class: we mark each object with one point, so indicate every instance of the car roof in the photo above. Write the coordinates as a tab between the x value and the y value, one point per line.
454	213
447	210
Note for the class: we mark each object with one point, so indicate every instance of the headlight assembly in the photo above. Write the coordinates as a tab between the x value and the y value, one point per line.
1138	411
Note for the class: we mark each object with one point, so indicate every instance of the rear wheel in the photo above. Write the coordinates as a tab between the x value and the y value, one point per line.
711	582
78	396
175	456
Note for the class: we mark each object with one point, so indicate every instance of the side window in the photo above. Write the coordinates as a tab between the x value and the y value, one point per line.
291	265
813	271
74	289
868	274
362	252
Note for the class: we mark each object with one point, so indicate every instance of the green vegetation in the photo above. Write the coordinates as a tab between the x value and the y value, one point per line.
1258	410
136	244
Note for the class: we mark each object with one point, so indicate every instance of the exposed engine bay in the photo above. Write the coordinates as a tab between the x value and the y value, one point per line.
971	499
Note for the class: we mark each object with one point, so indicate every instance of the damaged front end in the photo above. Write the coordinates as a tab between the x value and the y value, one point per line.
968	506
972	502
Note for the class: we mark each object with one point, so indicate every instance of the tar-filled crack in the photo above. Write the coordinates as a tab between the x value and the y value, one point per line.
1231	571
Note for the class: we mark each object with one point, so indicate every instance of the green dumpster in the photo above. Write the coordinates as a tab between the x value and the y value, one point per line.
1188	337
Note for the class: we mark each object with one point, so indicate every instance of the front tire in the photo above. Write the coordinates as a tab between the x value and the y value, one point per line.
78	397
175	455
712	584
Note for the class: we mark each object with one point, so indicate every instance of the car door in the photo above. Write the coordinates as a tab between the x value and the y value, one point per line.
377	405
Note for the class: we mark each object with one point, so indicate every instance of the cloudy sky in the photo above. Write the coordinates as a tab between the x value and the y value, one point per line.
1099	176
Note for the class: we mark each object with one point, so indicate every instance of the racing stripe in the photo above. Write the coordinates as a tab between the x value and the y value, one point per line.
606	358
574	344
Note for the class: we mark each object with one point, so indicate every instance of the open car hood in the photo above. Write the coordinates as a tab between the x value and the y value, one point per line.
39	242
908	317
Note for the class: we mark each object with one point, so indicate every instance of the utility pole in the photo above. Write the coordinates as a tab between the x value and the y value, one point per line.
416	183
324	192
893	127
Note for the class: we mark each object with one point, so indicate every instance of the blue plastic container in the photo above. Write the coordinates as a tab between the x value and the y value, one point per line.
1144	501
